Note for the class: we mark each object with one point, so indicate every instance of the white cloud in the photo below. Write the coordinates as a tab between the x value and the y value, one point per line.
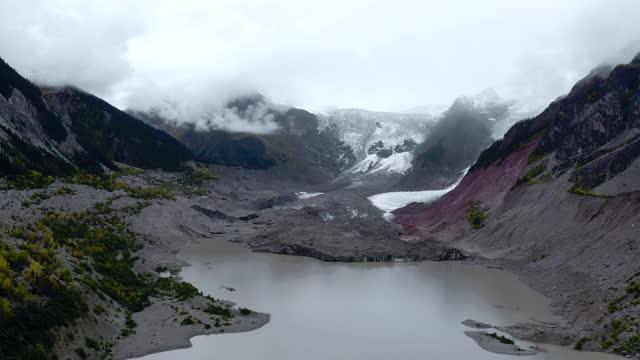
375	54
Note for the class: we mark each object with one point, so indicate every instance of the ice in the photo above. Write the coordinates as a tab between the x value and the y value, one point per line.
306	195
390	201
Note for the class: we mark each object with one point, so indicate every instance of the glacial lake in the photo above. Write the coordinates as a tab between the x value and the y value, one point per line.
358	310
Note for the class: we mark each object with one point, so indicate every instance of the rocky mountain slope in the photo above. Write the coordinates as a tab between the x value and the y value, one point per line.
60	131
462	132
294	148
557	199
422	150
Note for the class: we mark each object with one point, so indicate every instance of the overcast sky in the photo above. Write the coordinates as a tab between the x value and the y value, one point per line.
382	55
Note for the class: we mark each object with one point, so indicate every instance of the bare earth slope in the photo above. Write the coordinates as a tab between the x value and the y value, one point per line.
561	201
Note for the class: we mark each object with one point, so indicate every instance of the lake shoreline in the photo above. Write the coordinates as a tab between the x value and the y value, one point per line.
174	225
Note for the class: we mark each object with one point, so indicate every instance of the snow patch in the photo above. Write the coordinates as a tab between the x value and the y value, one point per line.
391	201
306	195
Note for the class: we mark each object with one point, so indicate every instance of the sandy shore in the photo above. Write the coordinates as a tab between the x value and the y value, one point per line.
160	327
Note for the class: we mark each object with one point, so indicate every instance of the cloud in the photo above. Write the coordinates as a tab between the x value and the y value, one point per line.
257	117
70	41
195	55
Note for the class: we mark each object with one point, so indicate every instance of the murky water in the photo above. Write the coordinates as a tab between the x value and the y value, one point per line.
357	311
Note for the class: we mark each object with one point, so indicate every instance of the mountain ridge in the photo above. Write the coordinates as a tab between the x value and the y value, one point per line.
61	131
555	198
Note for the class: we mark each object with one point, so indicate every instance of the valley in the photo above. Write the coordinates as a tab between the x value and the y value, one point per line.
126	234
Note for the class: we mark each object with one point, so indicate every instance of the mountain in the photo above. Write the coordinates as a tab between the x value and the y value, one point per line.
557	197
454	142
383	143
363	129
294	146
61	131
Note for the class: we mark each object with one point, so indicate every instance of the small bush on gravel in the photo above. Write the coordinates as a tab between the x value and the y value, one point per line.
581	342
218	310
187	321
502	339
245	311
32	179
476	215
92	343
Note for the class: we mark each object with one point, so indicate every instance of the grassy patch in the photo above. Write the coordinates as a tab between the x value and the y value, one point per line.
40	196
32	179
102	182
198	175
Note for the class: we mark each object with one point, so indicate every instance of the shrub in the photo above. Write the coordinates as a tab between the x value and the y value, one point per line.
579	190
102	182
129	322
4	265
476	215
5	284
185	290
532	174
634	289
580	343
502	339
218	310
187	321
5	308
81	353
32	179
198	175
99	309
245	311
150	193
161	269
92	343
33	273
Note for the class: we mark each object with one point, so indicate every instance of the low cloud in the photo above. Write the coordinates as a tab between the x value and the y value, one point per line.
257	119
195	55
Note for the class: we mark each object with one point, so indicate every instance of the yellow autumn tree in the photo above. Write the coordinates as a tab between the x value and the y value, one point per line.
5	284
5	308
21	293
4	265
33	272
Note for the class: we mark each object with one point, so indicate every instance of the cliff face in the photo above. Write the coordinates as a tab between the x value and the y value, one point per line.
560	201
